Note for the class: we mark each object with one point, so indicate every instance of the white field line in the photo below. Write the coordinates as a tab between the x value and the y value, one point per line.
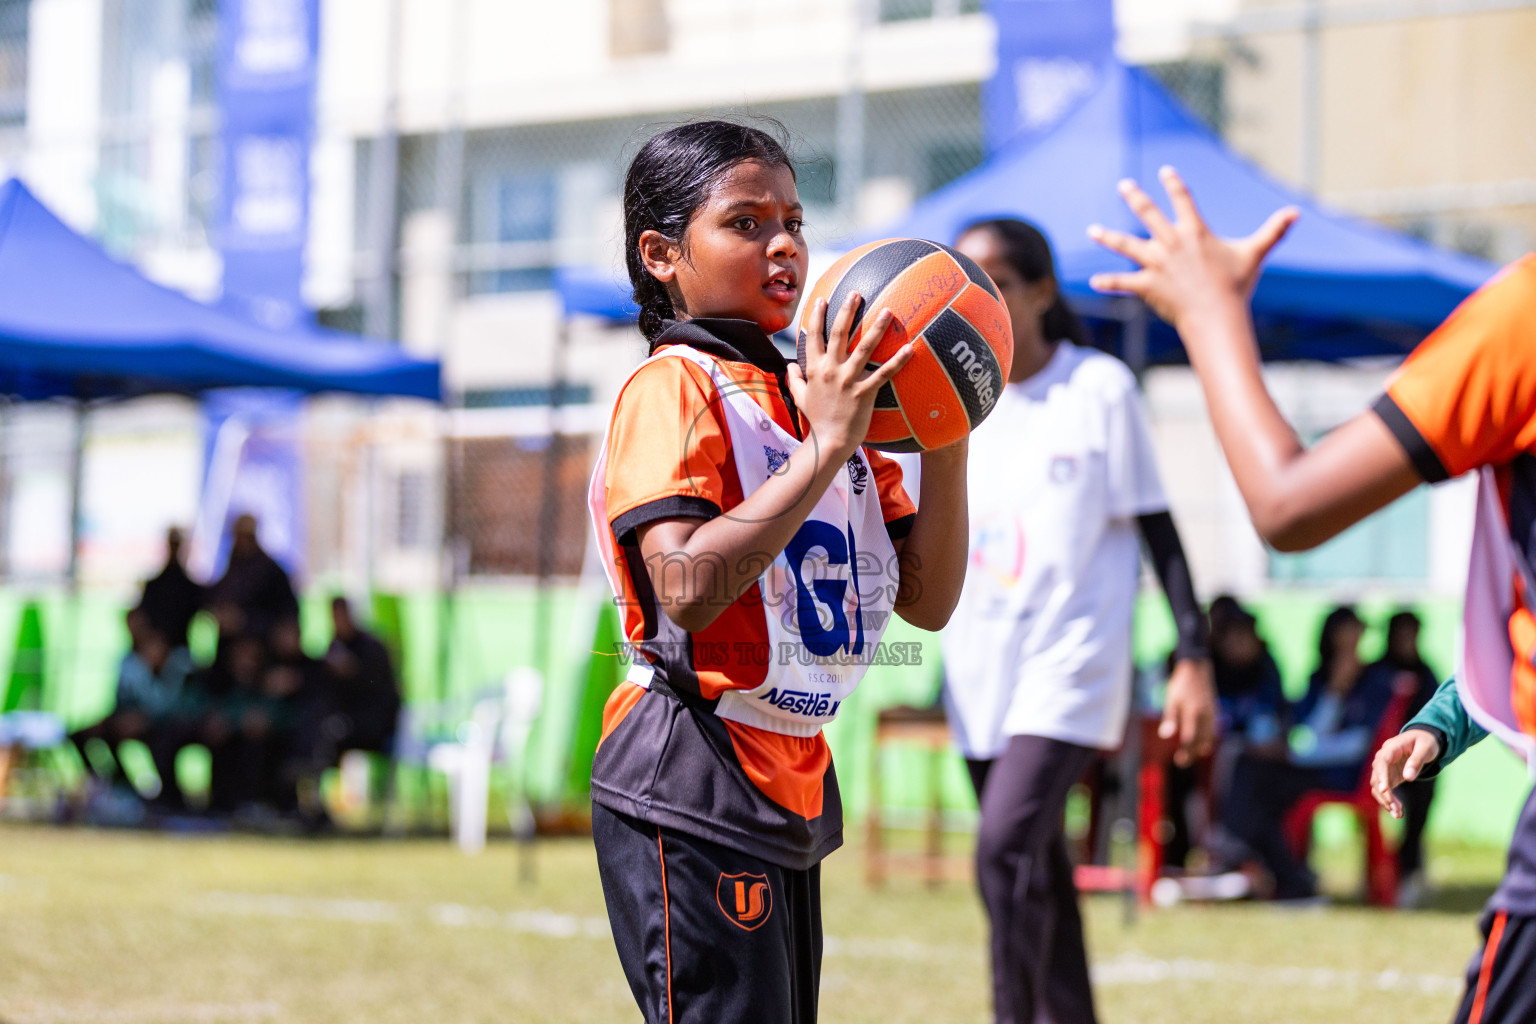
1135	969
1126	969
164	1013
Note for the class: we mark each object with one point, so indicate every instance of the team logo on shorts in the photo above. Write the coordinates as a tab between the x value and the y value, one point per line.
745	898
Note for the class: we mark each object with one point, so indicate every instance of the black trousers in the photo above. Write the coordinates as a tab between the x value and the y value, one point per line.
1039	960
708	935
1499	988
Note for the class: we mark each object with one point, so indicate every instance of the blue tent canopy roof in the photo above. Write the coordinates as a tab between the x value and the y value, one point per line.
76	323
597	292
1336	288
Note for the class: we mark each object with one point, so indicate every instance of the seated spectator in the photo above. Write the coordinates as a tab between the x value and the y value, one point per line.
365	697
224	714
149	683
1254	711
172	598
1402	657
1253	716
1336	722
286	726
255	593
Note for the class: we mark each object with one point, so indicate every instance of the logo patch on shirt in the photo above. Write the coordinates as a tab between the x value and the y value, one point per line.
858	473
1063	469
745	898
776	458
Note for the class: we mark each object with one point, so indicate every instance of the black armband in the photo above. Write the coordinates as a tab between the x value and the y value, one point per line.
1172	569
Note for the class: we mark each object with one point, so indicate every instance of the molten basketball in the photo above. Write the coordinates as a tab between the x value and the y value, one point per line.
964	340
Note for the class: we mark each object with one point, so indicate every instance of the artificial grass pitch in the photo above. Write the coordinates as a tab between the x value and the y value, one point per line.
118	926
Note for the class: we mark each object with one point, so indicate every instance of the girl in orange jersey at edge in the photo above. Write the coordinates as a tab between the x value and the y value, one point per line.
1464	400
758	552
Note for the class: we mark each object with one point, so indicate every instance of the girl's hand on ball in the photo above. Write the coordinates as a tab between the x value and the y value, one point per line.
1185	268
836	391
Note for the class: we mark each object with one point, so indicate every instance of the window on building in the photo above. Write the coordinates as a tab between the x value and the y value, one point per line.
909	10
637	27
13	61
517	217
411	490
202	51
1390	546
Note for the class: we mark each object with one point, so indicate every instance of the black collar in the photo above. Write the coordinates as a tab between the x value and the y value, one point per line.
740	341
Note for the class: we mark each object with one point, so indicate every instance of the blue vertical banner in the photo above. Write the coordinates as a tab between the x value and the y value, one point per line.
1050	55
268	55
267	68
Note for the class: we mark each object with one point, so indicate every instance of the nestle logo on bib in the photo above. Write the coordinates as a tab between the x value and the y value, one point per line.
975	372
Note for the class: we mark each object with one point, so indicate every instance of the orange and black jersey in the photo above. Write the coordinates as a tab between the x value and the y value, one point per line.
1464	400
665	757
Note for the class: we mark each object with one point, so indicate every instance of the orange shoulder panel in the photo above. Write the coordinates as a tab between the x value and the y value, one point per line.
668	437
1470	388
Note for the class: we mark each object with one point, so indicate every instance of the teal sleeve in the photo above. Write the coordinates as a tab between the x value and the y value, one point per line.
1445	716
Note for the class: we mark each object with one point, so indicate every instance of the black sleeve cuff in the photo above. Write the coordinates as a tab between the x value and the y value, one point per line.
1433	768
1419	452
897	529
678	506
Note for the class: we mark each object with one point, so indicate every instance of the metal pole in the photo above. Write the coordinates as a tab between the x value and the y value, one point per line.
1311	94
1134	338
850	121
450	199
7	419
58	695
384	166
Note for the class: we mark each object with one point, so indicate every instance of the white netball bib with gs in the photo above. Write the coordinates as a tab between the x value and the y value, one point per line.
827	597
1485	661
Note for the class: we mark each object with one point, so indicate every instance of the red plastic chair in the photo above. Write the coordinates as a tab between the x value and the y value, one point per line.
1380	862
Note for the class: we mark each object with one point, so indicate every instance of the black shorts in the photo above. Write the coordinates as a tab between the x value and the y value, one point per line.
1499	978
708	935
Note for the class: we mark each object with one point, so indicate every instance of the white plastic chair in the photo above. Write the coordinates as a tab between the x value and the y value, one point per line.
497	730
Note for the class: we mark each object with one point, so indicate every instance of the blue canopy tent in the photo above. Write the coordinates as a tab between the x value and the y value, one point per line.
1336	288
76	323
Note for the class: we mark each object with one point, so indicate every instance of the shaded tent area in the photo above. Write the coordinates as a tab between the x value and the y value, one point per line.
1336	288
80	327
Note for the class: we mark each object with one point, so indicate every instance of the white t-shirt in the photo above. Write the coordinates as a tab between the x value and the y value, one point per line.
1040	644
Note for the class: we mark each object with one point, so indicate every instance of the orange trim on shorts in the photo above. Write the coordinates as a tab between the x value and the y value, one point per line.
1485	973
666	920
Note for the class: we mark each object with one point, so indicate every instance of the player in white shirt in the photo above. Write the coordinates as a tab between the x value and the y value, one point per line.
1063	490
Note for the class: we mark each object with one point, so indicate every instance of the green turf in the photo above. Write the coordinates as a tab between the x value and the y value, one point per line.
99	926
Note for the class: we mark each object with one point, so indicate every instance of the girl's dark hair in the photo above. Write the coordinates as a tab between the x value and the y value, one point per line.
669	179
1028	251
1327	639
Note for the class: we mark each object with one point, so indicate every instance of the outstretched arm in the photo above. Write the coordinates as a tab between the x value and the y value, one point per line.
1297	497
